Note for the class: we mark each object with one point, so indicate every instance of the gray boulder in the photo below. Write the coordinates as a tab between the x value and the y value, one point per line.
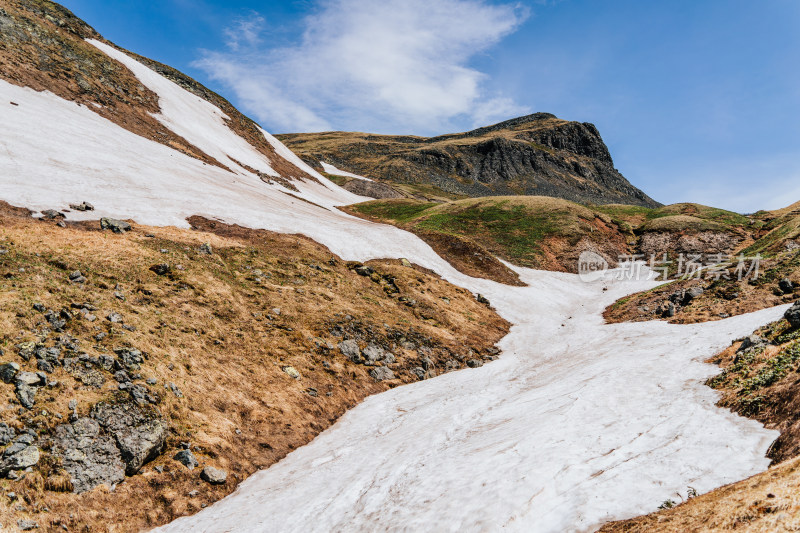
6	433
83	206
792	315
215	476
117	226
27	525
753	341
381	373
8	372
349	349
786	286
26	386
19	456
140	432
372	354
691	294
474	363
89	457
51	214
130	358
186	458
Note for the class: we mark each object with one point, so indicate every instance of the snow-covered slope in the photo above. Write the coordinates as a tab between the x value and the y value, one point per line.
576	423
330	169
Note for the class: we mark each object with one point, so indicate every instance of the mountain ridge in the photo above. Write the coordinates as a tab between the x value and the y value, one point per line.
533	155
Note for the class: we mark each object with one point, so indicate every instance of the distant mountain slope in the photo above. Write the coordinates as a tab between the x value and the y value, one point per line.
538	155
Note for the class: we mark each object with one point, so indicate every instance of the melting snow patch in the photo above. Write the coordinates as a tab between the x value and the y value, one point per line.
330	169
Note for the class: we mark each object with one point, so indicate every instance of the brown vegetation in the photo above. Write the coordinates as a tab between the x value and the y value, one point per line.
224	328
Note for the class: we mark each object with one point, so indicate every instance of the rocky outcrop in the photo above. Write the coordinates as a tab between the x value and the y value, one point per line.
89	457
118	438
140	432
537	155
792	315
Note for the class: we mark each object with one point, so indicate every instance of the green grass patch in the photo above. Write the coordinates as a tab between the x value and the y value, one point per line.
398	211
338	180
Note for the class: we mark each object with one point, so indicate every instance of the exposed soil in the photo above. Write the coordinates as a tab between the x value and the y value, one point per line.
224	328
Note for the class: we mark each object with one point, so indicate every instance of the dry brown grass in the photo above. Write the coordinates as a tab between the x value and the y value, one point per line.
210	329
767	502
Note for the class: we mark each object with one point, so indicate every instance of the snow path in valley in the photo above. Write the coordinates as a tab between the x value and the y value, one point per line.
573	425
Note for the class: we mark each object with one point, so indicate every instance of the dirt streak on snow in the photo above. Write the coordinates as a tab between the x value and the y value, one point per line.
576	423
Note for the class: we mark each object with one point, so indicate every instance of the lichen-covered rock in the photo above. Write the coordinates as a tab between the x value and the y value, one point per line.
26	350
139	431
215	476
89	457
350	349
117	226
19	456
373	353
381	373
792	315
130	358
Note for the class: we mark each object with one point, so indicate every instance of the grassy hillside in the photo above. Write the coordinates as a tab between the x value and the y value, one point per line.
550	233
238	333
535	232
774	236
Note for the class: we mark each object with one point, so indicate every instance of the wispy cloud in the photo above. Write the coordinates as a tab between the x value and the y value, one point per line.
245	31
396	65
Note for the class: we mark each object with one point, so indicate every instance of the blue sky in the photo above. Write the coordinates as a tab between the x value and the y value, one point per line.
697	100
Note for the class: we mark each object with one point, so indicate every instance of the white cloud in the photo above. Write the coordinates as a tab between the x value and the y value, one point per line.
396	65
245	31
